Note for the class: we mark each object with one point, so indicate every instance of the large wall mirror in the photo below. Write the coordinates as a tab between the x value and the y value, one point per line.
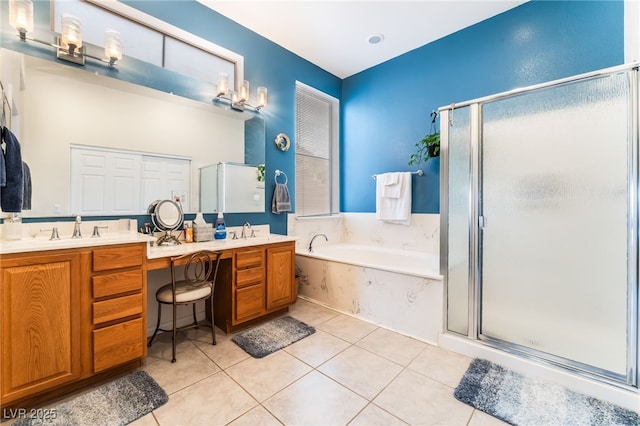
61	107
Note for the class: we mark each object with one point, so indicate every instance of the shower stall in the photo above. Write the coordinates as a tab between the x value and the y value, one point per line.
539	219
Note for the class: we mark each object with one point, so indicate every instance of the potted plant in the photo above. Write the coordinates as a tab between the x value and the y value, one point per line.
428	147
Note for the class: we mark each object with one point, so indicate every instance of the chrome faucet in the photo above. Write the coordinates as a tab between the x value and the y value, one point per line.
314	237
76	228
54	234
246	226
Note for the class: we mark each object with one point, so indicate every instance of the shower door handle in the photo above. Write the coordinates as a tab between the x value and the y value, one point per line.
482	222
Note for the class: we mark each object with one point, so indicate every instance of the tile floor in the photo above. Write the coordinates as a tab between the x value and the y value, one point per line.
349	372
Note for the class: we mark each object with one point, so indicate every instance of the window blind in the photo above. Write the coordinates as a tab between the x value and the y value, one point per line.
316	149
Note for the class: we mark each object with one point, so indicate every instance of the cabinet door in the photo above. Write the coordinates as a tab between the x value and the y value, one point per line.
40	323
118	344
280	276
249	303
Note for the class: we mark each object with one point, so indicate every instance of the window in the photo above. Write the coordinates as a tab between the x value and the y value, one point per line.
151	40
317	178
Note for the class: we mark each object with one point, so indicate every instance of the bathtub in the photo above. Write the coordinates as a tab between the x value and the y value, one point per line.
400	290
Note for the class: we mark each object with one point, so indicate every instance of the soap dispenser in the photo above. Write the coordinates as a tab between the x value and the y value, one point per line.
221	230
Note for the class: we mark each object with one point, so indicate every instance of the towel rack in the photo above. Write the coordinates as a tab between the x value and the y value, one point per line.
278	173
417	172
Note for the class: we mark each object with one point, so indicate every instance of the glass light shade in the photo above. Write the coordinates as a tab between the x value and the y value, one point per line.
234	96
223	83
244	91
71	35
262	97
21	15
112	45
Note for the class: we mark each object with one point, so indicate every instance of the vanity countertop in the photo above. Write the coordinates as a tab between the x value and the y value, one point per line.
30	244
155	252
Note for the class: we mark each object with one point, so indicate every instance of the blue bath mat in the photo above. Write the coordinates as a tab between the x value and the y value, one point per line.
272	336
525	401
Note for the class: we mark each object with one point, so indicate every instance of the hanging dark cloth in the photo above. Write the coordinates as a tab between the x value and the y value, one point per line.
11	174
26	194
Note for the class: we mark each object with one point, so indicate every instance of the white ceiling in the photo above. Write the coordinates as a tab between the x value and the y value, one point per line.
333	34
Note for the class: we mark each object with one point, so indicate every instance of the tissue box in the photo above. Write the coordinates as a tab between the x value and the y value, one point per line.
202	232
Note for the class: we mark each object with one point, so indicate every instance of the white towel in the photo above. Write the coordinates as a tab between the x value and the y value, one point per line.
392	184
390	209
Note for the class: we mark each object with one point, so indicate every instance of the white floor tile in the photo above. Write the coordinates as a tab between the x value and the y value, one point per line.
418	400
216	400
361	371
315	400
317	348
263	377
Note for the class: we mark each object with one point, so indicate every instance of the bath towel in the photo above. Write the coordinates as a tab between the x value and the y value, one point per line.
281	201
11	192
394	209
392	184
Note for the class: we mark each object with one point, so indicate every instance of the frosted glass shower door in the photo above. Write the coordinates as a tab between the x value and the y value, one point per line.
554	198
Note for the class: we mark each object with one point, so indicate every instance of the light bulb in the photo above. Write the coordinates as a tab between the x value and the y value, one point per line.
71	34
21	15
262	97
223	83
112	45
244	91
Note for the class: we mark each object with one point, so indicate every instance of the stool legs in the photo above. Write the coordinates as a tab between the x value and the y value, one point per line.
157	327
213	325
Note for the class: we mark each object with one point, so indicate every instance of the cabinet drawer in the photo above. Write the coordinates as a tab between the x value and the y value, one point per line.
118	283
118	344
113	309
117	257
246	277
249	303
249	259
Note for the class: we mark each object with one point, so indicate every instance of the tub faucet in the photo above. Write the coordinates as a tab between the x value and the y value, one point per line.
314	237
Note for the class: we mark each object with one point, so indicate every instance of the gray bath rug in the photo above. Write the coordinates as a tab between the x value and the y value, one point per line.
520	400
119	402
272	336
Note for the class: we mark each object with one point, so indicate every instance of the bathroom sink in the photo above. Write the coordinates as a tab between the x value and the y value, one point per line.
27	244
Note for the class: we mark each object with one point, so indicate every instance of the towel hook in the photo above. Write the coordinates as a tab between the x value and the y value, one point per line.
278	173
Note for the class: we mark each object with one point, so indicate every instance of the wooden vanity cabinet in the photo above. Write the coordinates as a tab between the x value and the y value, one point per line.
249	288
256	284
69	317
119	305
41	322
280	276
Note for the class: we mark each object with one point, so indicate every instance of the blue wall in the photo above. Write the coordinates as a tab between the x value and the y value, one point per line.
385	109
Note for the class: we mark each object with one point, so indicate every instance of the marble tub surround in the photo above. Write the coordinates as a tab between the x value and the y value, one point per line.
423	234
305	228
407	302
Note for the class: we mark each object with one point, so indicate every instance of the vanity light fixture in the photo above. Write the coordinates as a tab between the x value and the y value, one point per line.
69	45
239	100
